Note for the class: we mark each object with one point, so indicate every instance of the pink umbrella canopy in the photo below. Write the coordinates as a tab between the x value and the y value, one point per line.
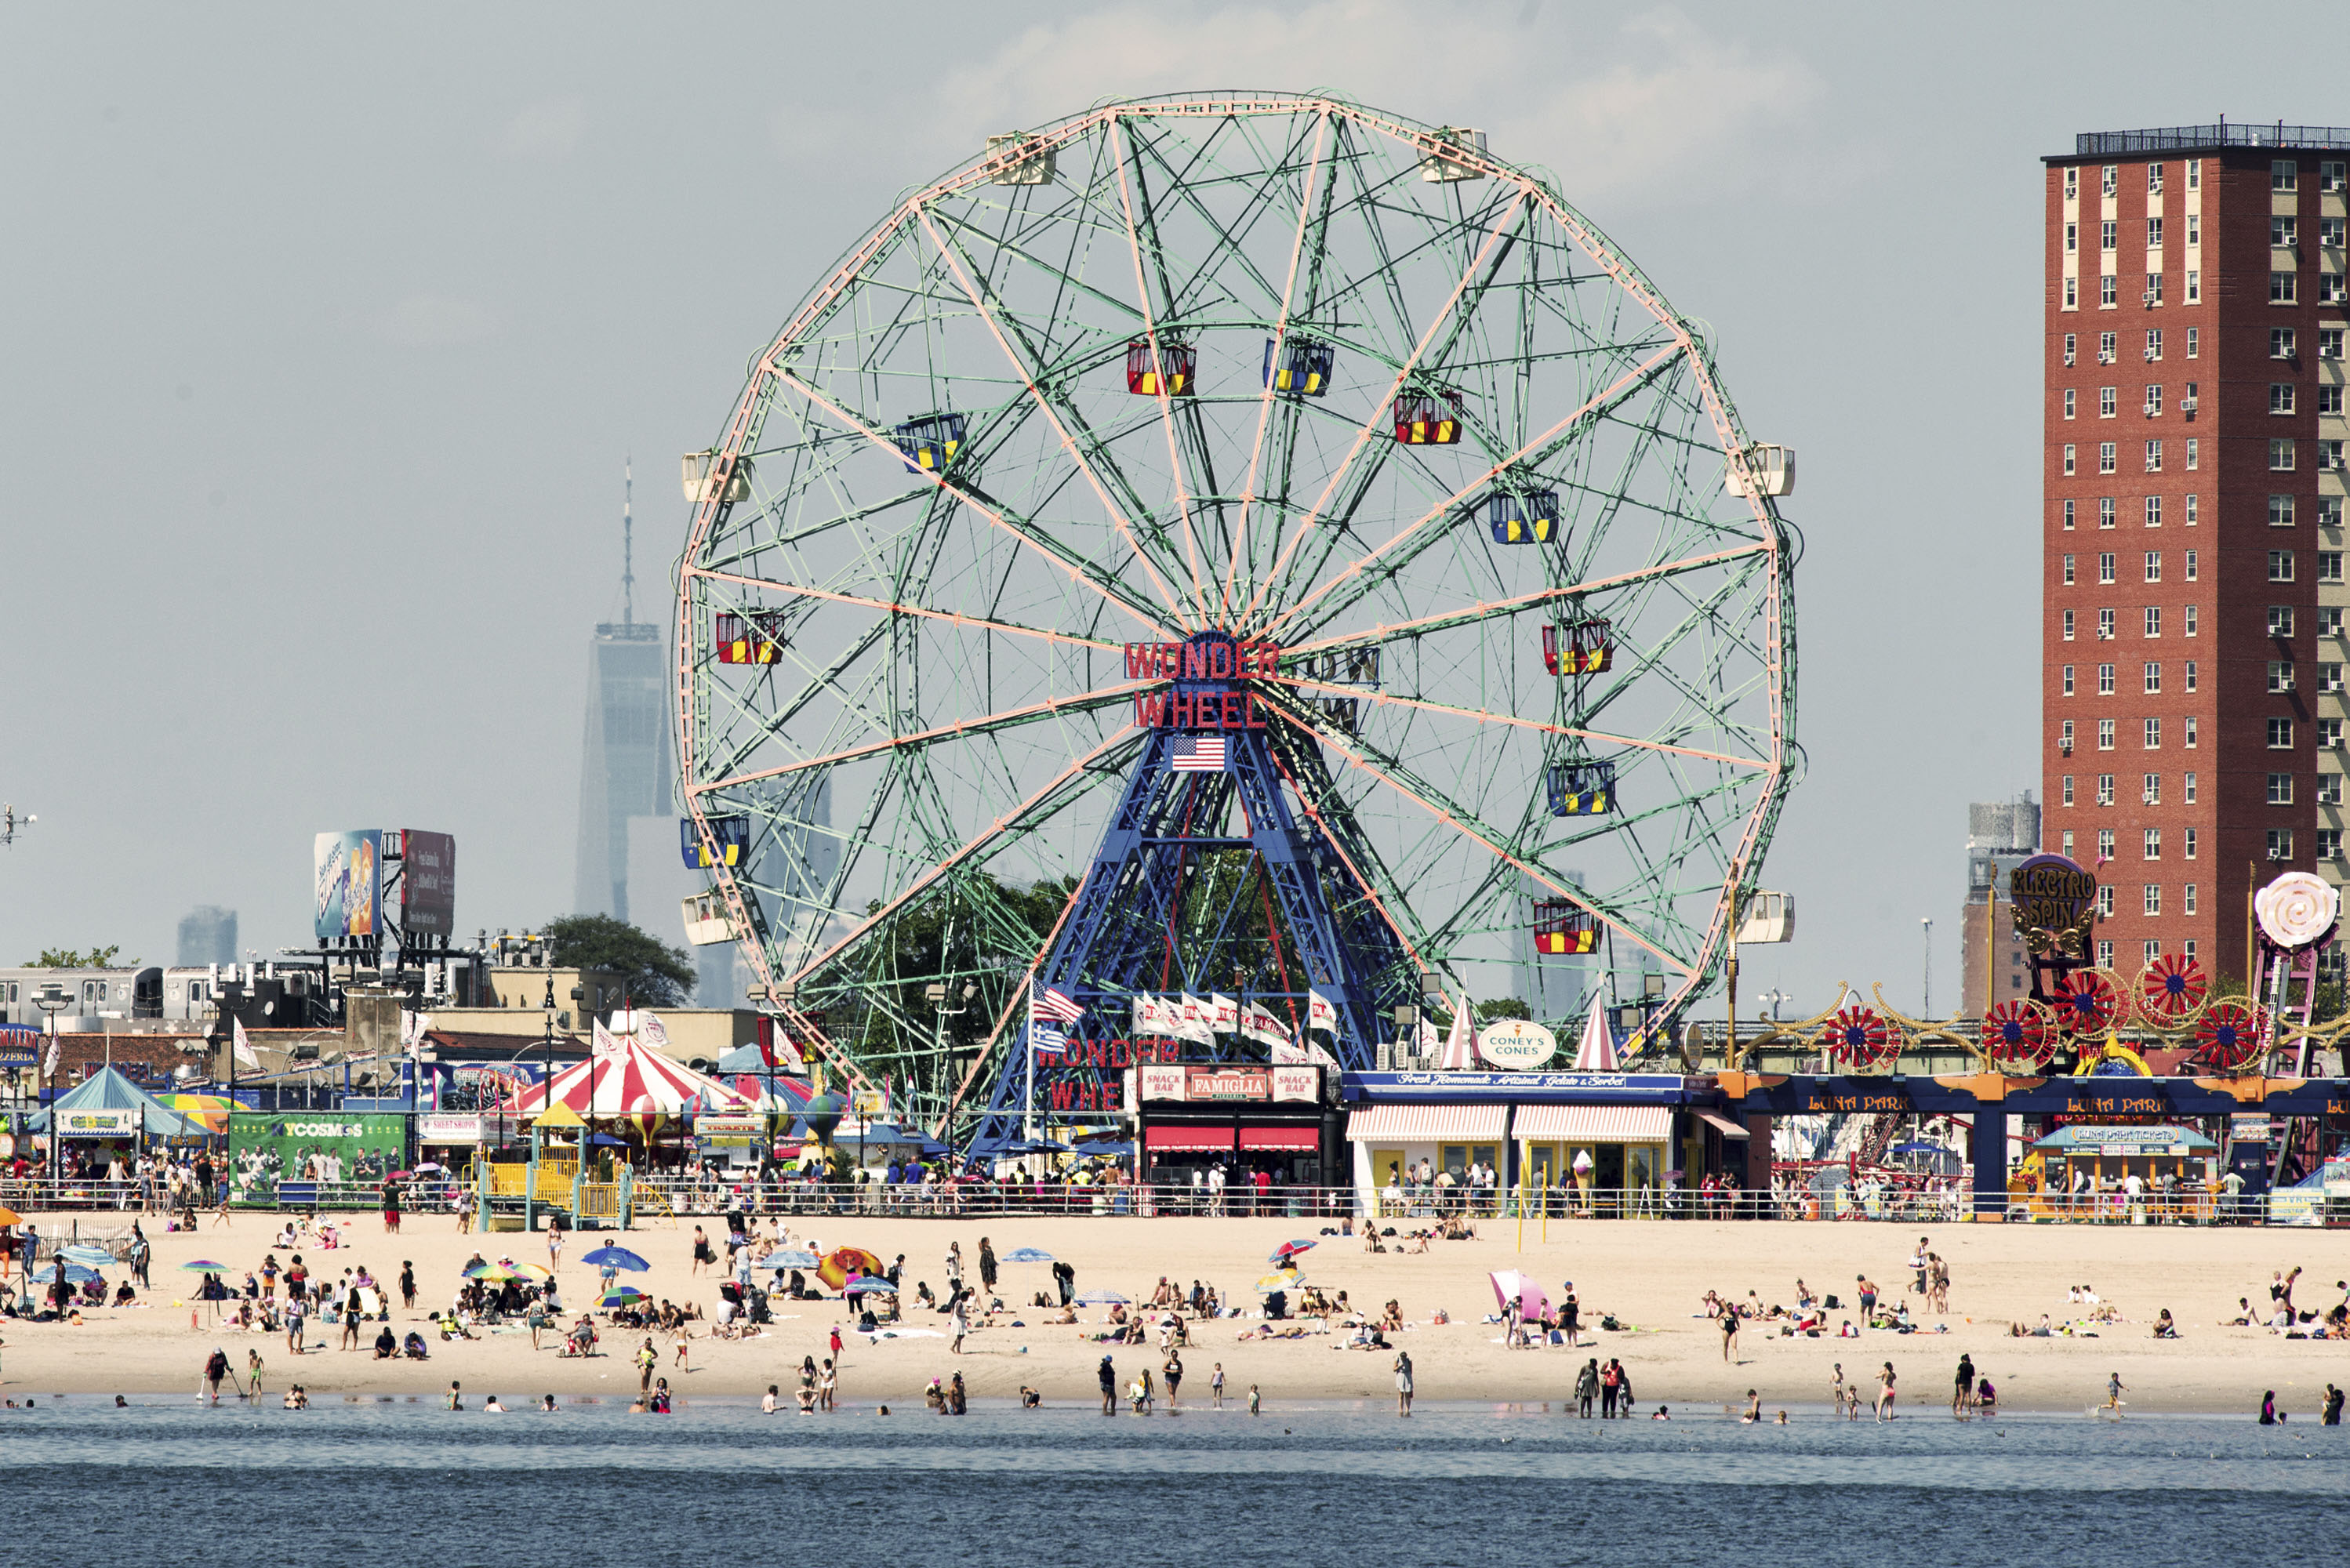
1509	1285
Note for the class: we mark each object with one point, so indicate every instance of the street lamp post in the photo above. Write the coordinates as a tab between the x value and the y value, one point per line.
51	1000
1926	1011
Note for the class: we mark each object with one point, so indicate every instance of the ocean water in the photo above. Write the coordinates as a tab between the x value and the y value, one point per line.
169	1481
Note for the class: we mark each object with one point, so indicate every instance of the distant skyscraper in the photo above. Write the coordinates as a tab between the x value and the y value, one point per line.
208	934
2002	835
625	769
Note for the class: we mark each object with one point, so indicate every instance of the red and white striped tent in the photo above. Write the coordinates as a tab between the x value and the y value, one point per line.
629	1081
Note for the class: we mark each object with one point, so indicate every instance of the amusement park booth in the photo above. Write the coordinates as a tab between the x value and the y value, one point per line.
2109	1155
1277	1119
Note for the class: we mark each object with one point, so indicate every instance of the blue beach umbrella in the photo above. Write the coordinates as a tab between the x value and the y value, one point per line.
616	1257
790	1258
87	1255
74	1273
1028	1255
1103	1298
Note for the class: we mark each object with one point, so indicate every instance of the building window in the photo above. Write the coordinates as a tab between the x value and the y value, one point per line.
2104	625
2329	399
2281	455
2068	681
2329	566
2068	844
2068	460
2072	293
2280	789
2068	515
2108	401
2105	234
2193	560
2280	343
2194	461
2109	291
2280	570
2106	566
2072	184
2329	733
2280	675
2329	454
2068	571
2105	789
2153	897
2188	741
2106	452
2153	735
2329	288
2329	789
2186	793
2280	288
2280	843
2151	948
2329	676
2188	675
2281	510
2329	233
2194	335
2065	737
2280	397
2283	231
2188	628
2104	679
2150	791
2329	621
2069	396
2154	340
2068	626
2154	502
2330	176
2068	789
2106	848
2329	843
2329	512
2194	286
2279	620
2154	465
2279	734
2105	511
2154	179
2105	743
2154	234
2187	907
2105	911
2153	295
2329	342
2153	677
2282	174
2154	620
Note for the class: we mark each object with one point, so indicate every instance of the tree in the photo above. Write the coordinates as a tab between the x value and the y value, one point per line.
66	958
656	975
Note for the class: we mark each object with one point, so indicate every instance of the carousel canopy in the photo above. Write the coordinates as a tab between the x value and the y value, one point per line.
629	1080
108	1090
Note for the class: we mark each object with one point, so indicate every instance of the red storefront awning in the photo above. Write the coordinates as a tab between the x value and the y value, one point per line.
1187	1140
1301	1139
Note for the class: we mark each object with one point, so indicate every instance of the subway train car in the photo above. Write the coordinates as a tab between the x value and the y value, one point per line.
88	993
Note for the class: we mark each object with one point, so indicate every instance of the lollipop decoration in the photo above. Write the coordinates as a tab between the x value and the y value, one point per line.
1859	1038
2171	989
2297	911
2017	1035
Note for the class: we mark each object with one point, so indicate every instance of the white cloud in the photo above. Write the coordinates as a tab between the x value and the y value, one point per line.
548	130
1608	108
438	321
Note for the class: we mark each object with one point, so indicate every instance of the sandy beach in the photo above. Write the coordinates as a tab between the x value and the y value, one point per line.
1649	1276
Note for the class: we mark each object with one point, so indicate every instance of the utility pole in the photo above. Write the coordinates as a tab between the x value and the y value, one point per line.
1926	1011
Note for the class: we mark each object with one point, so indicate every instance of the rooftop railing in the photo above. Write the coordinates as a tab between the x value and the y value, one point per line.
2191	138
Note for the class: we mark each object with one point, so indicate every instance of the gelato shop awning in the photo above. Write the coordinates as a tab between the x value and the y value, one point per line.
1594	1124
1428	1124
1188	1140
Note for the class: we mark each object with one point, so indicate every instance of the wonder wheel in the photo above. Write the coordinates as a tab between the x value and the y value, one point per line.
1251	545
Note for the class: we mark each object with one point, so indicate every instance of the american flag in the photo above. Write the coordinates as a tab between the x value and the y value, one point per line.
1045	1001
1200	754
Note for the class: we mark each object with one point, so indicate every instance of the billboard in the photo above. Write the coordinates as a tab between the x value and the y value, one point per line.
348	882
428	883
269	1147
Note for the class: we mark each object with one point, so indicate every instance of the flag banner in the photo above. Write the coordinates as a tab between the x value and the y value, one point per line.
243	1046
1049	1001
1046	1040
1224	1014
1321	1013
1261	1023
1199	755
1192	1022
604	1043
1157	1015
49	1062
650	1032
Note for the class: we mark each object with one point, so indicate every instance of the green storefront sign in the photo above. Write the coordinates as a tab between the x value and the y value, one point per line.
337	1149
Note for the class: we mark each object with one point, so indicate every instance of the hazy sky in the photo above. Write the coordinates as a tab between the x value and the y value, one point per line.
324	333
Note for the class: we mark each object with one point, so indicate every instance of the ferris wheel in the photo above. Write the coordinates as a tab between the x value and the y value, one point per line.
1272	439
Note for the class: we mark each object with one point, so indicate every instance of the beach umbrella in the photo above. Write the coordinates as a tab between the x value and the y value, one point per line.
10	1217
1282	1281
493	1273
867	1285
74	1273
790	1258
1288	1250
1102	1298
622	1296
616	1257
1028	1255
845	1263
87	1256
204	1266
533	1272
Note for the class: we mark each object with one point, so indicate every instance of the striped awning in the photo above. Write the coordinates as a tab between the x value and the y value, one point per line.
1427	1123
1594	1124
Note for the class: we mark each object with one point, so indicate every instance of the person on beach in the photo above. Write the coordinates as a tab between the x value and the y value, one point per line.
703	1258
683	1360
1173	1370
554	1243
959	1326
827	1386
2331	1414
986	1266
1610	1380
959	1402
1754	1416
547	1406
2268	1416
647	1359
1216	1386
456	1395
407	1285
1570	1317
390	1208
215	1369
1108	1375
1964	1386
2114	1391
294	1324
1868	1293
1884	1394
1729	1333
1586	1387
1403	1382
252	1374
767	1401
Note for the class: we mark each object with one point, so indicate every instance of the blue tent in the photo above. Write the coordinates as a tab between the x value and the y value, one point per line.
107	1090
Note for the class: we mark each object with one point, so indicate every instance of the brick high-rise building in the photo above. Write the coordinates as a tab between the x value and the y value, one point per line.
2192	706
